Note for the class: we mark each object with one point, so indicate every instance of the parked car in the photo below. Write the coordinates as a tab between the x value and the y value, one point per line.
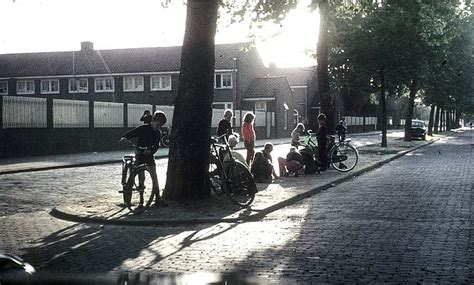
418	129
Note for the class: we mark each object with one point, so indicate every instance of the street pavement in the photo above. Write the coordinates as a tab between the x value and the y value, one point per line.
409	221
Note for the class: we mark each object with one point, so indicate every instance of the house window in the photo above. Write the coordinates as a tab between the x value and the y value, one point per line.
3	87
133	83
222	105
78	85
160	83
104	84
223	81
25	87
50	86
261	106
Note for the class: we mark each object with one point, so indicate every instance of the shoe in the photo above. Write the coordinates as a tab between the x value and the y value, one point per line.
297	174
322	169
286	174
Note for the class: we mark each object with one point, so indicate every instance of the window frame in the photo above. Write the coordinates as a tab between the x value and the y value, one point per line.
104	81
49	86
77	81
6	87
160	83
27	92
221	80
133	78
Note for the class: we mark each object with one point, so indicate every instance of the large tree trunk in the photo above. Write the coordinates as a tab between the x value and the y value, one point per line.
189	153
458	119
436	121
411	105
430	122
383	109
322	54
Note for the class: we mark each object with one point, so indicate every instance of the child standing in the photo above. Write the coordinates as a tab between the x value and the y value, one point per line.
295	135
248	134
322	142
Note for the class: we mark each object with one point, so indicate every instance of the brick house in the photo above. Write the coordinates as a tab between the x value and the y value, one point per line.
134	75
272	94
304	84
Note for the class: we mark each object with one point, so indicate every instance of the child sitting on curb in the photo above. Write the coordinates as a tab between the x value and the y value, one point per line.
262	169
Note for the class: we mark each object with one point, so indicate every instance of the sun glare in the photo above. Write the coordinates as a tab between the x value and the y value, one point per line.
55	25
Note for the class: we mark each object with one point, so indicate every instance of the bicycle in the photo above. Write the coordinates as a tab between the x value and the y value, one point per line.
137	197
230	176
165	137
343	156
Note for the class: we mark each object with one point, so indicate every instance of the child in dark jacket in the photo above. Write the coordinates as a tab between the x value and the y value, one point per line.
262	169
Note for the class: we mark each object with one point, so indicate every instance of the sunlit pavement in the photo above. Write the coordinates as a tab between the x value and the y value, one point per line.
408	221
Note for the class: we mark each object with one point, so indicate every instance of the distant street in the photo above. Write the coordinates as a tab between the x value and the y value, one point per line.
408	221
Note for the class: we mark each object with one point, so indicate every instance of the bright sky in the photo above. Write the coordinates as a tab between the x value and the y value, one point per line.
56	25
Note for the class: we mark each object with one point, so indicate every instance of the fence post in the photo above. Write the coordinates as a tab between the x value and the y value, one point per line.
363	124
1	113
49	113
125	115
91	114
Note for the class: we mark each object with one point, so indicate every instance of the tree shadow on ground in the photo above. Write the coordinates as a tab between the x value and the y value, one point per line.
97	249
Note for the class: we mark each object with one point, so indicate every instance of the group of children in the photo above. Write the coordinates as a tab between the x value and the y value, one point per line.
261	163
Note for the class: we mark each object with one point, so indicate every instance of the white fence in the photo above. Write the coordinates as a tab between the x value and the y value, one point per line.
135	112
24	112
108	115
359	121
70	114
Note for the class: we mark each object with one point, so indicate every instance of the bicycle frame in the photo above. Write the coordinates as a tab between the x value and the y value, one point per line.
216	152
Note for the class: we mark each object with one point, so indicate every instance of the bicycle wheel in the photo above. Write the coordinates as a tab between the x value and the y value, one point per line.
344	157
240	186
215	176
126	173
165	141
138	193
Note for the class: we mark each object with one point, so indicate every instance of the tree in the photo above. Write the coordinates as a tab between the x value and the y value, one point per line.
188	167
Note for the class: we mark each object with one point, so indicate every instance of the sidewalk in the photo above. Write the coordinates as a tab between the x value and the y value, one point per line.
271	197
36	163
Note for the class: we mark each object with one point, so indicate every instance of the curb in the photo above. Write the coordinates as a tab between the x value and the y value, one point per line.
60	214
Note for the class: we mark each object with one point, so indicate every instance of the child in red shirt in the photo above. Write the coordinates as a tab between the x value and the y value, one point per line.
248	134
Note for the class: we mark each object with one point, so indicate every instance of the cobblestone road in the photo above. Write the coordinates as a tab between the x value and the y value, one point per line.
408	221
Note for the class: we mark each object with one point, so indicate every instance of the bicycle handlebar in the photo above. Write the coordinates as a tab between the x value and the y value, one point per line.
142	148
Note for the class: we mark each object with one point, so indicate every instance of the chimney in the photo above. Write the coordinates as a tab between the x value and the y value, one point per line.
87	46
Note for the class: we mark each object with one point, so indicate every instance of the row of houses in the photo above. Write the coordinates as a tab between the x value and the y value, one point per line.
150	76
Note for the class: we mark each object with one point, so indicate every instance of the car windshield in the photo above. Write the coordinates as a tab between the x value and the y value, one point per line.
417	124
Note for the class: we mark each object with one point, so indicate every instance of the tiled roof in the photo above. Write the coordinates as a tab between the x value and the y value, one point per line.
267	87
297	76
132	60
